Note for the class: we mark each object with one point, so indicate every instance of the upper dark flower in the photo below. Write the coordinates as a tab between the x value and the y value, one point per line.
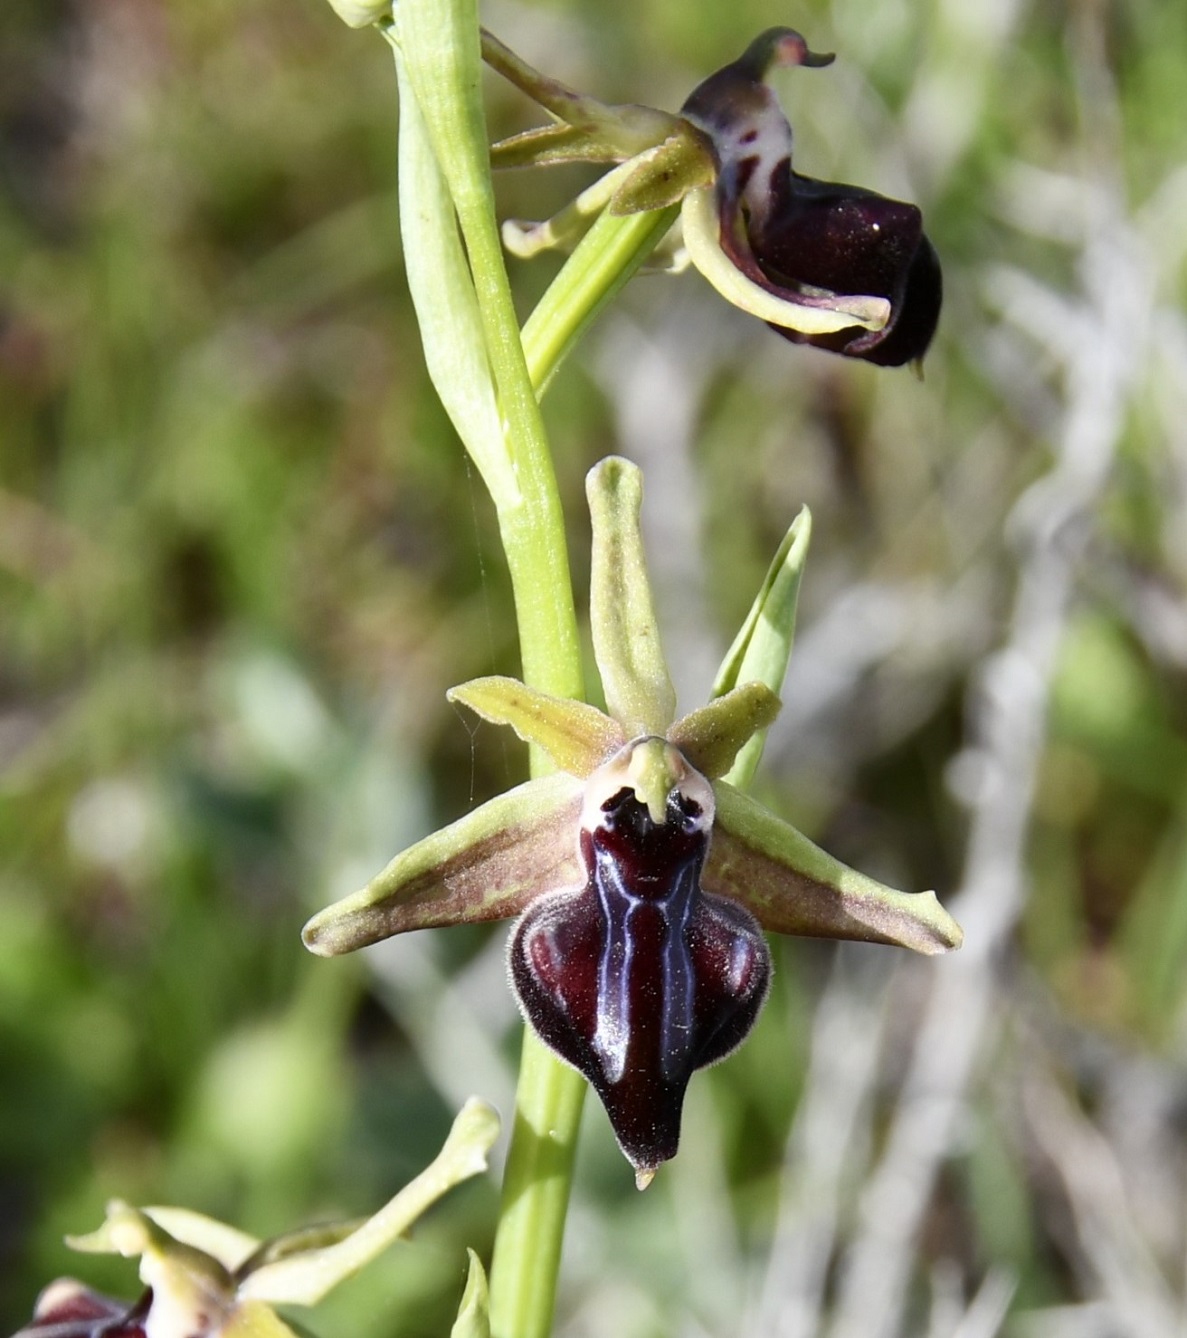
799	237
821	262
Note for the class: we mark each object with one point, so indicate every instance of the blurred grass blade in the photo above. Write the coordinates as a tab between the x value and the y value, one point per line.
762	648
1153	934
627	648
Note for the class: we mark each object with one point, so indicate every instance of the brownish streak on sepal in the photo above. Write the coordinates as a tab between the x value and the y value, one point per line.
793	887
563	102
631	126
489	865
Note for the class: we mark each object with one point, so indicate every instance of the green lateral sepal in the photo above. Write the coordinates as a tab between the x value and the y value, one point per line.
791	886
486	866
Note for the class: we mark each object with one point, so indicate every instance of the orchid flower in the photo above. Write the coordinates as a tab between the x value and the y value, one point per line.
821	262
205	1279
642	879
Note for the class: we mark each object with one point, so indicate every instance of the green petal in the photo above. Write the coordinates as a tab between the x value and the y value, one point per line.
473	1316
762	648
663	176
711	736
577	737
794	887
486	866
627	649
304	1278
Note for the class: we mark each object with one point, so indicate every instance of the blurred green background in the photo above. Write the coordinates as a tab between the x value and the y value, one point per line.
242	557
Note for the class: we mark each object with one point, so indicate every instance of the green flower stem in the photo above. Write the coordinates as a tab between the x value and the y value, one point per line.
608	255
550	1096
440	48
438	41
536	1184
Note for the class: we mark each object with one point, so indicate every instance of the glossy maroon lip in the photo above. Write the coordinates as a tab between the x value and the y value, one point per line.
640	977
825	234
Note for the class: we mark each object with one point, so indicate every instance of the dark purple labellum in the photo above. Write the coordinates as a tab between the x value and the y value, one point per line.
824	234
640	977
67	1309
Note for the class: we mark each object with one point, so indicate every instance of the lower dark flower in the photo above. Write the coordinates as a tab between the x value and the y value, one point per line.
68	1309
640	977
207	1280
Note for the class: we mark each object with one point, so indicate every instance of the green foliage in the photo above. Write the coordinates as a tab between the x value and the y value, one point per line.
241	557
